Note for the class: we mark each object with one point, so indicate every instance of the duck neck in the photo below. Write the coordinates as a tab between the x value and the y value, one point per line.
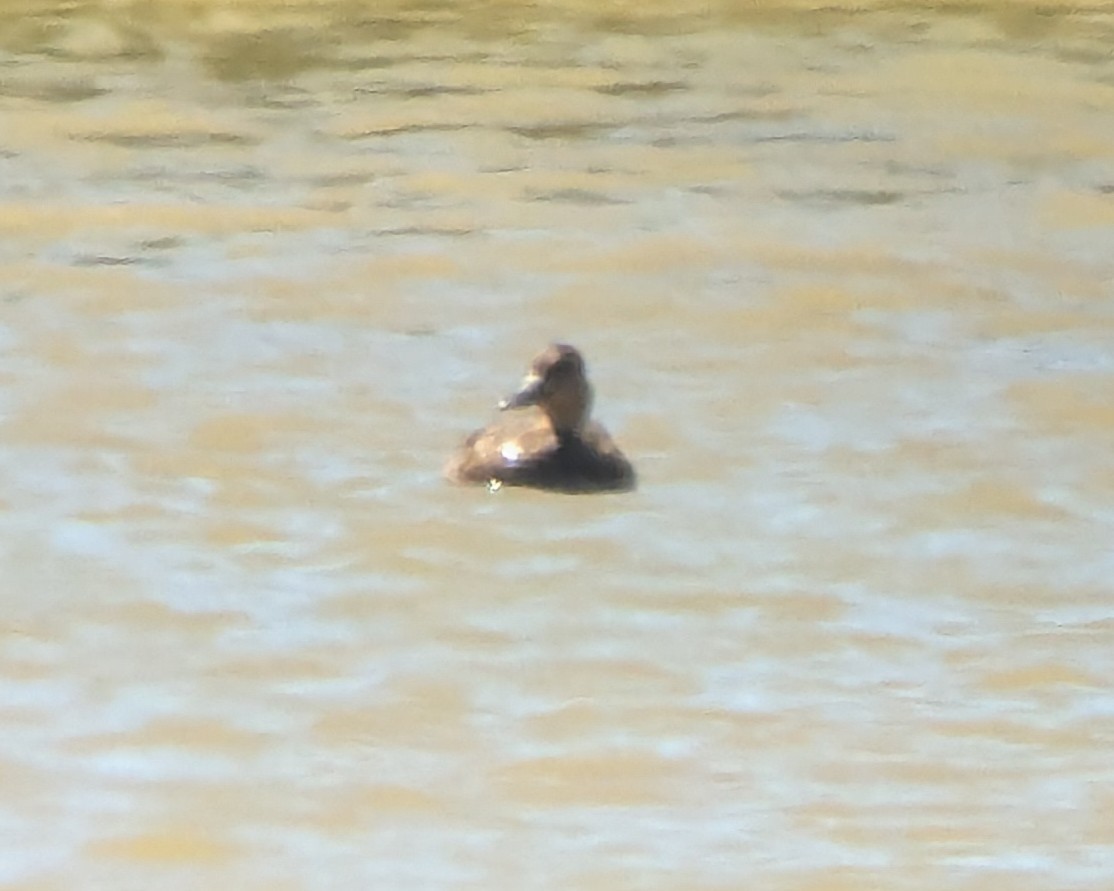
566	438
568	412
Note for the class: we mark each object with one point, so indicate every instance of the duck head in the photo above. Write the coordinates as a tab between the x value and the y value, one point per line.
558	384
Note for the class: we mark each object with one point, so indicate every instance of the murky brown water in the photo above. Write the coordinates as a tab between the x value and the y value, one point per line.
844	281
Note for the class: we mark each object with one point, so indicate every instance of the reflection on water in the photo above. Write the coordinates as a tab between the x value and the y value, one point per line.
843	279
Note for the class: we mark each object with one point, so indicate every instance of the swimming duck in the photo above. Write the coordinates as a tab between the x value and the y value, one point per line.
558	447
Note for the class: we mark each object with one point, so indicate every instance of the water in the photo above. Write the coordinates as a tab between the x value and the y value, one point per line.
844	284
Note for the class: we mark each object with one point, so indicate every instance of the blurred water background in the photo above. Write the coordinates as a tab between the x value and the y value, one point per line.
844	277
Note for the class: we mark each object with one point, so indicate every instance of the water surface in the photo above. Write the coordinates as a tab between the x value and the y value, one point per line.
844	283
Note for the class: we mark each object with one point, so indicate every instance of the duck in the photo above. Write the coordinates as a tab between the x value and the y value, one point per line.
557	447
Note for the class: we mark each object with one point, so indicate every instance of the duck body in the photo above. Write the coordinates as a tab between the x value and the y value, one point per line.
532	454
554	445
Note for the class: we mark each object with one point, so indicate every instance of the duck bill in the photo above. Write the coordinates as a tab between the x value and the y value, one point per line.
528	394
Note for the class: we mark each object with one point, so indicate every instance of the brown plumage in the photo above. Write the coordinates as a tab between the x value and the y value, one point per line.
556	447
